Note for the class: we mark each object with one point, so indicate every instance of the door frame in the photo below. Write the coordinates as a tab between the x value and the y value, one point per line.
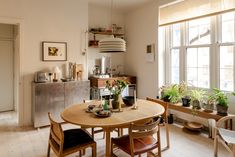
18	77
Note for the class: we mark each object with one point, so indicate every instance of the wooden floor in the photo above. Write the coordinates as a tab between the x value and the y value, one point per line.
29	142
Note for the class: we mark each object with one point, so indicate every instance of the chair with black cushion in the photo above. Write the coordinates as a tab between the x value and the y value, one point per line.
164	121
140	139
224	135
69	141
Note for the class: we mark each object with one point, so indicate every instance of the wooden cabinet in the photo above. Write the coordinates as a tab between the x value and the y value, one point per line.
98	85
101	82
55	97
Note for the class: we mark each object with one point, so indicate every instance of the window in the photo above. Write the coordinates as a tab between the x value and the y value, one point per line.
175	66
174	55
199	31
201	52
198	67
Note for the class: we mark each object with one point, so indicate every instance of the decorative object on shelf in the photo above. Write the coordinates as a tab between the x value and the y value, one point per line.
57	73
116	89
112	44
221	99
54	51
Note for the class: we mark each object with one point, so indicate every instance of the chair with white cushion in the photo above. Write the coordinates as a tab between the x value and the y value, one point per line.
225	136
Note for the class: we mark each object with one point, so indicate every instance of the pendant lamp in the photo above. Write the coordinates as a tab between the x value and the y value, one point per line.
112	44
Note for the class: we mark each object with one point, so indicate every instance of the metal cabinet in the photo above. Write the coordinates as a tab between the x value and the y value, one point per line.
76	92
55	97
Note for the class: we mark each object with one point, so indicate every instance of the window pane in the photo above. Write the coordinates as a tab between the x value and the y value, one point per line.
226	68
175	66
198	67
228	27
176	35
199	31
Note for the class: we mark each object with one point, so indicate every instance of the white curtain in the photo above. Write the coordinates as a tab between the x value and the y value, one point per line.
189	9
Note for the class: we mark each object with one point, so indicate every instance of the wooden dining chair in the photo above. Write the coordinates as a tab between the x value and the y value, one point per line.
225	136
69	141
140	140
164	123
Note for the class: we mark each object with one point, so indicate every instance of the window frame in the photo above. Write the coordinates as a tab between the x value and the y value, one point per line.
214	51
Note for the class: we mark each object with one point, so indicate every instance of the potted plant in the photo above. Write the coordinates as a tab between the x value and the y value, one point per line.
221	99
116	89
209	104
171	93
197	95
184	94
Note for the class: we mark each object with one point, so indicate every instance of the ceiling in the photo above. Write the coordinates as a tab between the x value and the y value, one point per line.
122	5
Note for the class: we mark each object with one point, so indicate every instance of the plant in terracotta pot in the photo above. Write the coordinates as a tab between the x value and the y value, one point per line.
171	93
221	99
116	89
197	95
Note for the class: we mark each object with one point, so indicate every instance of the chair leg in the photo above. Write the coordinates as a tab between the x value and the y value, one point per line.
80	153
215	146
167	136
233	150
94	150
48	150
93	133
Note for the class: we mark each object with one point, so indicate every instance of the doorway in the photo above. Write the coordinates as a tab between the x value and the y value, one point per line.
9	50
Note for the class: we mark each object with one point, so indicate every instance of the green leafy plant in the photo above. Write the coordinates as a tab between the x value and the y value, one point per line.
116	87
197	94
171	93
220	97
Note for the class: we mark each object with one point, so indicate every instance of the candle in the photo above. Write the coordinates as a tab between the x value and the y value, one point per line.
135	96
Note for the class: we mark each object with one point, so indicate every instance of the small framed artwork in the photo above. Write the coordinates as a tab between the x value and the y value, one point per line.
54	51
150	53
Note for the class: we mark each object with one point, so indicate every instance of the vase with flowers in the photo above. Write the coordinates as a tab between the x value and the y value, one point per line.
116	88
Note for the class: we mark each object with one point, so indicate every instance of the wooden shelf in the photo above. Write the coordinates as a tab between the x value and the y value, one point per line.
107	33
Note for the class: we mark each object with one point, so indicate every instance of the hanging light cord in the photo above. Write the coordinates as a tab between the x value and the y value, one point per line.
111	16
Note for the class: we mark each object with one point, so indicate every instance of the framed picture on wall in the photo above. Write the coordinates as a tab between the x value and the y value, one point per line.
54	51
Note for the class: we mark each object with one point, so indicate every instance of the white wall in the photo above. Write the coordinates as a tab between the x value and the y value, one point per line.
100	17
141	28
54	20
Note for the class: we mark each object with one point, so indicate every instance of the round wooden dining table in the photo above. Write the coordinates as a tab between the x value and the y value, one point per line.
76	114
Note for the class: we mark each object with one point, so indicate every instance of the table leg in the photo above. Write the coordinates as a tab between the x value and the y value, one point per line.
108	142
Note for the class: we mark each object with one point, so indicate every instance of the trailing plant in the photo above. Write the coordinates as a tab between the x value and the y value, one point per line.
197	94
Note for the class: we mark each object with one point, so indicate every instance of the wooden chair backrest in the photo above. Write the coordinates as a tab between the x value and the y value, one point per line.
222	122
164	104
143	130
56	132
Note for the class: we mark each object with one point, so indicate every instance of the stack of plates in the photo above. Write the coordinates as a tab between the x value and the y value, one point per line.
112	45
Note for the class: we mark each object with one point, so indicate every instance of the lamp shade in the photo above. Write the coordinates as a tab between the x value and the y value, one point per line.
111	45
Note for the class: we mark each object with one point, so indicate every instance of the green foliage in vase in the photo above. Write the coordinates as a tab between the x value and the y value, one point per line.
197	94
116	87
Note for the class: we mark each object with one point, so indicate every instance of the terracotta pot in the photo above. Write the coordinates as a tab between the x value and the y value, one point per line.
222	110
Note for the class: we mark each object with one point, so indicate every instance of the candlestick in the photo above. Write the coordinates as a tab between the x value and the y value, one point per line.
135	97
